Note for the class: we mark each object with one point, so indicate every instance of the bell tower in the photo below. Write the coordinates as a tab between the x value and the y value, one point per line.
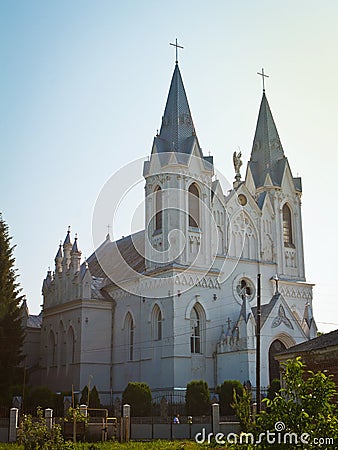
269	174
178	189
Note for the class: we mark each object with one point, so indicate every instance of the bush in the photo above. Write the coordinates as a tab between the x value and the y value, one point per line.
273	388
40	397
34	435
226	396
138	396
197	398
305	405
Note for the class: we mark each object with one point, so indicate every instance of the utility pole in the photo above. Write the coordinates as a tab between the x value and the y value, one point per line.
258	345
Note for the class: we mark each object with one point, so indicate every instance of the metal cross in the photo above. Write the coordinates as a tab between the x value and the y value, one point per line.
263	76
177	47
108	228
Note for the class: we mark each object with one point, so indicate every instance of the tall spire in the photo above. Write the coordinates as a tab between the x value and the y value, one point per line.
177	129
267	156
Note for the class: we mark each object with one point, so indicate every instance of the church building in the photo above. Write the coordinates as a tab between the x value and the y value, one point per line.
177	301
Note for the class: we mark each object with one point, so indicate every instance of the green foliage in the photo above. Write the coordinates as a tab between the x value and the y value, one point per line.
226	396
94	398
273	388
138	396
40	397
242	408
11	330
304	405
84	396
197	398
75	413
34	435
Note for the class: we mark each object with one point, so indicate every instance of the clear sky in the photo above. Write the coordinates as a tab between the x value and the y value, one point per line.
83	88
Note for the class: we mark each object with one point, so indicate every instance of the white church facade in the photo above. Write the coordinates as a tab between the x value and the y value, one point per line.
178	301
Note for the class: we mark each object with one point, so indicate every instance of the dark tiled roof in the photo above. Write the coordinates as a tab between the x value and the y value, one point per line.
34	321
115	259
320	342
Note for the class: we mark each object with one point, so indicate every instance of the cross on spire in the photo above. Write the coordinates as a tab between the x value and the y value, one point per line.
263	76
177	47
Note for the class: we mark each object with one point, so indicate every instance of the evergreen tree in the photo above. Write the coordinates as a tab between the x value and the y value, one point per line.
11	331
197	398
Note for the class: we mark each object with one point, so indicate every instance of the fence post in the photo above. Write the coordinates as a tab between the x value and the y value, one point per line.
84	410
49	418
126	422
13	424
215	418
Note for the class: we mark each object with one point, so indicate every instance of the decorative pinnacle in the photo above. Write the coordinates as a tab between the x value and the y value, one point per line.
177	47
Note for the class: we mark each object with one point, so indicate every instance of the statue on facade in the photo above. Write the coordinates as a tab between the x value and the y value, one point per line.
237	160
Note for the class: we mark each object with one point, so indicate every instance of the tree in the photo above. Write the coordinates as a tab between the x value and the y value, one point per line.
138	396
94	398
197	398
11	330
304	405
226	396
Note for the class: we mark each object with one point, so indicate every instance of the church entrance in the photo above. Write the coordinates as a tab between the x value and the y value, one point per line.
276	347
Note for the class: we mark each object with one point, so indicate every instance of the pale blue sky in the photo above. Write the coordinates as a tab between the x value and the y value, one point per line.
83	87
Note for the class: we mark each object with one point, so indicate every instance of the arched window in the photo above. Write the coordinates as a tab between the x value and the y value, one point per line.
51	349
194	213
70	347
157	323
129	327
195	327
61	344
158	209
287	226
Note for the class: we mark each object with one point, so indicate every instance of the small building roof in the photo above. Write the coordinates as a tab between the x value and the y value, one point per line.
318	343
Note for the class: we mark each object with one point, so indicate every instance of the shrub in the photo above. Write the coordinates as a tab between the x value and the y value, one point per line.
197	398
138	396
273	388
304	405
40	397
34	434
226	396
242	408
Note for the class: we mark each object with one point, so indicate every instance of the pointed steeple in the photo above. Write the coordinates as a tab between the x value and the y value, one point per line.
267	156
177	130
59	259
67	238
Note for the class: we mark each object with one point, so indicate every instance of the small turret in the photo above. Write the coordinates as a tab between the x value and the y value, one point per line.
58	260
75	256
67	248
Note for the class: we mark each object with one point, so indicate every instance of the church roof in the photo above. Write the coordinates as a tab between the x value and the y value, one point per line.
115	259
34	321
267	156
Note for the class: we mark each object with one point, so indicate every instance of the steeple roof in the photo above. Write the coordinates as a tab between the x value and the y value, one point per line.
67	239
177	130
267	156
59	252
